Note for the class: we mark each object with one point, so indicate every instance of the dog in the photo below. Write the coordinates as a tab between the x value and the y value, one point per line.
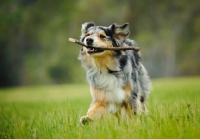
119	83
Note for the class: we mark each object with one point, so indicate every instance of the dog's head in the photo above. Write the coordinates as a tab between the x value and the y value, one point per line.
112	36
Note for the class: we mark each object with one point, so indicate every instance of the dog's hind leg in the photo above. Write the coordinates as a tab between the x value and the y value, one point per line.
135	93
145	86
143	105
135	102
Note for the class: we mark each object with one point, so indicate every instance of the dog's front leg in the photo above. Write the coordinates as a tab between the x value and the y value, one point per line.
96	111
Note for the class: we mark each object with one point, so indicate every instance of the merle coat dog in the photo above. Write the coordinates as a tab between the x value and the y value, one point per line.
119	83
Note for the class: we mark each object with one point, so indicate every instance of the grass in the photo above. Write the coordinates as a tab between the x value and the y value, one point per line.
43	112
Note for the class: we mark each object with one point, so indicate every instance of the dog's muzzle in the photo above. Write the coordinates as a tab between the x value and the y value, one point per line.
89	41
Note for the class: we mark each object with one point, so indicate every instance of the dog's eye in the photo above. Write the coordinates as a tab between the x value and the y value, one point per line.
102	36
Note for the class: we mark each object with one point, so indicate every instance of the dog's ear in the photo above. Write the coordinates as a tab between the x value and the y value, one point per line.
120	33
86	26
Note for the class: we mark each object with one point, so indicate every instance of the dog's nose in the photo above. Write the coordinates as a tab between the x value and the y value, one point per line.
89	41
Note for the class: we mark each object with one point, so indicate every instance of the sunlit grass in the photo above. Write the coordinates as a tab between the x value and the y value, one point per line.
53	112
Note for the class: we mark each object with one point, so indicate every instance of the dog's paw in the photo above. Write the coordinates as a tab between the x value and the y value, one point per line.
85	120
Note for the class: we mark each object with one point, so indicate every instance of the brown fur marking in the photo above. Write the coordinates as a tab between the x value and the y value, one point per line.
127	88
89	32
98	94
97	110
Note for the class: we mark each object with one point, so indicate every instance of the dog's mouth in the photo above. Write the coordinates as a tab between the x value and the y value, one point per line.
94	50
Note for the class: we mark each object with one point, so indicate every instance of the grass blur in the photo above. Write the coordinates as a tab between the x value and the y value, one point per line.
53	112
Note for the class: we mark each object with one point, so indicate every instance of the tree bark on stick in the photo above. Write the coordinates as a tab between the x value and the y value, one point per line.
106	48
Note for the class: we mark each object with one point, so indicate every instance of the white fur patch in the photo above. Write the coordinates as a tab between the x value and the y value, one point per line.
116	95
113	107
108	82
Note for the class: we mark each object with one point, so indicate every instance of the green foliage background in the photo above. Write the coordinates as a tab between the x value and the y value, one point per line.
34	47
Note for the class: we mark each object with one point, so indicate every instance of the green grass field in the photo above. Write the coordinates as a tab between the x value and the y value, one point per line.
42	112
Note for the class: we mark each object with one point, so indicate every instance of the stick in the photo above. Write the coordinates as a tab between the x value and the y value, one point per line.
106	48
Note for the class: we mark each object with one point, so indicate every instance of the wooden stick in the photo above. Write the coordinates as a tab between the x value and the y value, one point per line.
106	48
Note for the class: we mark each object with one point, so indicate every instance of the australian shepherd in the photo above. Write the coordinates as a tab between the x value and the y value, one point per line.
119	83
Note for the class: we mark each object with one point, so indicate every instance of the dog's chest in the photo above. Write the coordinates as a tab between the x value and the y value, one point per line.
109	87
105	81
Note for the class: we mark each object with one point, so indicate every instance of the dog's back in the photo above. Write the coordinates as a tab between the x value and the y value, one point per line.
119	83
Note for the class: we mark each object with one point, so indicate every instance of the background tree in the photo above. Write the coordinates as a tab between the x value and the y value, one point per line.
34	47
